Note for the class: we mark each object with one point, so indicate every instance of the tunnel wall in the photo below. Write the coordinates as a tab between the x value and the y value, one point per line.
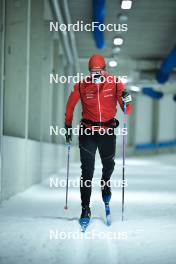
1	89
167	117
160	122
31	103
143	112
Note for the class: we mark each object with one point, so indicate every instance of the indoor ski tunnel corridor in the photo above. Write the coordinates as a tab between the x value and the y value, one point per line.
72	65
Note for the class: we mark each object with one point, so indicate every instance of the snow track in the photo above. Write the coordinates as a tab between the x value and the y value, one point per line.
28	219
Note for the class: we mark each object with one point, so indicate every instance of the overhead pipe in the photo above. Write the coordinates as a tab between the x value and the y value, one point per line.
152	93
167	67
98	16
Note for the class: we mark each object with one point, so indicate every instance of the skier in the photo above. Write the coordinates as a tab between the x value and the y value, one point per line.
99	94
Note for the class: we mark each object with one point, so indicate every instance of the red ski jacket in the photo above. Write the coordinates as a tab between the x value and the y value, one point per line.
99	101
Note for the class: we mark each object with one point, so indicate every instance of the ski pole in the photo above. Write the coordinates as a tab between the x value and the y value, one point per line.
123	168
68	167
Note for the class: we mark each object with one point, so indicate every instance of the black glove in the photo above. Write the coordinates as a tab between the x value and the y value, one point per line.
68	134
126	97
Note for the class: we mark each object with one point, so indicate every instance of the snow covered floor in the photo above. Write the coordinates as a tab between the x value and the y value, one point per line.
29	221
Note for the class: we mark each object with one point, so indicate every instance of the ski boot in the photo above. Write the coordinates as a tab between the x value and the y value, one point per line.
106	196
85	217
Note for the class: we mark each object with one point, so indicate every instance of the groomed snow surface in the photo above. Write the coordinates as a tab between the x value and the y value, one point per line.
34	227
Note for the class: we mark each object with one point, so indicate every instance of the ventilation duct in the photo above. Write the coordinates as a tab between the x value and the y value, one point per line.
167	67
98	16
152	93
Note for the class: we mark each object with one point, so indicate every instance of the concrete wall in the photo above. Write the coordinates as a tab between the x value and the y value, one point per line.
155	120
26	162
30	103
167	119
143	123
1	83
36	59
15	65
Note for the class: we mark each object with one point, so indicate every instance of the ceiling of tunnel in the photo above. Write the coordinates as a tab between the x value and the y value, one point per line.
151	28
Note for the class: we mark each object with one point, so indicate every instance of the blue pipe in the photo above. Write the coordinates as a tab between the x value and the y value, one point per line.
98	16
166	68
153	146
152	93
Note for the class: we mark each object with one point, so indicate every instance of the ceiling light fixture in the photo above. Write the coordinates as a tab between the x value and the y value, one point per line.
118	41
126	4
135	88
112	63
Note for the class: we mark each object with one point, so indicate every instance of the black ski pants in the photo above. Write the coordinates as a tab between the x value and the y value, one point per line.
88	144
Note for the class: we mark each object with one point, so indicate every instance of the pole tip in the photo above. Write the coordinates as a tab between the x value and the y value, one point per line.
66	207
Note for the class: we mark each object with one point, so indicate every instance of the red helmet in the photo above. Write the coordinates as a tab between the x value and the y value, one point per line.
97	62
